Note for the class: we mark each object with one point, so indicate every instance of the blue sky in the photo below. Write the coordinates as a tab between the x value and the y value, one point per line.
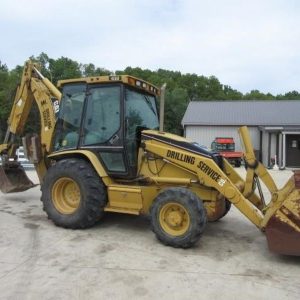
246	44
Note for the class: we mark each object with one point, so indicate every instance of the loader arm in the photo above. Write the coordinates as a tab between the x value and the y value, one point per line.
280	218
33	87
211	175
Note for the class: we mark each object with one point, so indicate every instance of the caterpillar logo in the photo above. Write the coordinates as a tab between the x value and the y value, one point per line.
180	156
211	173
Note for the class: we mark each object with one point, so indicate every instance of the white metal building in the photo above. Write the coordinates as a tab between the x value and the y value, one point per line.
274	126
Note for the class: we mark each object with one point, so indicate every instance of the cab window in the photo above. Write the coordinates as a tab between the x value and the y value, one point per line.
102	119
140	113
69	118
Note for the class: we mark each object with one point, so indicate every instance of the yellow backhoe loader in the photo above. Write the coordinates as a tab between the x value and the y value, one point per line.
104	151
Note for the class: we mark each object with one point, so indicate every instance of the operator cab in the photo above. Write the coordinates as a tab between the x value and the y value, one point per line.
106	116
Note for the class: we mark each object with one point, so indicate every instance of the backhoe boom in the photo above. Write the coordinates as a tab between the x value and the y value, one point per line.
33	87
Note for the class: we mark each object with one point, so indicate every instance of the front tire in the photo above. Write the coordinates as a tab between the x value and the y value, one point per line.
178	217
73	194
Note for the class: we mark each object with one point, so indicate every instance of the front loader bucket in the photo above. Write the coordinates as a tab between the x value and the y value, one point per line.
283	228
13	179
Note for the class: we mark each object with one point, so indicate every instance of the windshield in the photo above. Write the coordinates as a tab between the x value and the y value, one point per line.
140	114
69	118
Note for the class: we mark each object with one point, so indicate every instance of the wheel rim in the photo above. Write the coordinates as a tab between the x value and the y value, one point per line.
174	219
66	195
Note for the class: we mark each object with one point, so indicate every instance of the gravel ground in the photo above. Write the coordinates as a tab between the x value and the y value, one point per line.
120	258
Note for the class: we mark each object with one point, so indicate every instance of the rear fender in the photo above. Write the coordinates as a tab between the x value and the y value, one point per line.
88	155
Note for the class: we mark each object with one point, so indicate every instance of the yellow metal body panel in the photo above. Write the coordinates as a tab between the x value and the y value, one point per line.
149	194
3	147
47	115
200	168
131	199
125	197
94	160
122	210
159	171
32	88
287	192
126	79
240	184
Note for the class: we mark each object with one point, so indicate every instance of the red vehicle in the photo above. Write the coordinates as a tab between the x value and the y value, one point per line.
226	147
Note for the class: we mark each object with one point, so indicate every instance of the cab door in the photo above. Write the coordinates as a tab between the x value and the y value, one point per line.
140	113
102	129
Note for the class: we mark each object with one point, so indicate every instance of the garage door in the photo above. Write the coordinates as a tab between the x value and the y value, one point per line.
293	150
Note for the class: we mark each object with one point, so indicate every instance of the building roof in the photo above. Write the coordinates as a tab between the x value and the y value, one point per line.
252	112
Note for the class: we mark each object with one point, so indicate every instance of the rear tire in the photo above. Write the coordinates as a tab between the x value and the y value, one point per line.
178	217
73	194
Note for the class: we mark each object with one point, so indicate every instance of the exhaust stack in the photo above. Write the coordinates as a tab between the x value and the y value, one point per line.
162	107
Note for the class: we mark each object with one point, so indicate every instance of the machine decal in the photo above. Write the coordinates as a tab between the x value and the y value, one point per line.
211	173
56	106
180	156
184	145
47	118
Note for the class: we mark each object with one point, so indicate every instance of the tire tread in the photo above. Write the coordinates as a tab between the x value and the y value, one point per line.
93	192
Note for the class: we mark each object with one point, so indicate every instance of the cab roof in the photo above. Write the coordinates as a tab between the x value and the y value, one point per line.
126	79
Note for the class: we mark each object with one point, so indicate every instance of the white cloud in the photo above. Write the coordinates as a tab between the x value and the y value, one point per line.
246	44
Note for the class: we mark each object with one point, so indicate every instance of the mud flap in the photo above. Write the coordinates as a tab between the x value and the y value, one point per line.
283	228
13	179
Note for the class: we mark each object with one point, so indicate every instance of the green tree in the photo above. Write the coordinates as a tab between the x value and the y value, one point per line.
232	94
43	61
176	103
293	95
257	95
64	68
89	70
181	88
4	107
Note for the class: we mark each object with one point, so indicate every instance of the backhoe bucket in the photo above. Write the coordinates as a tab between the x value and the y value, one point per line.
283	228
13	179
